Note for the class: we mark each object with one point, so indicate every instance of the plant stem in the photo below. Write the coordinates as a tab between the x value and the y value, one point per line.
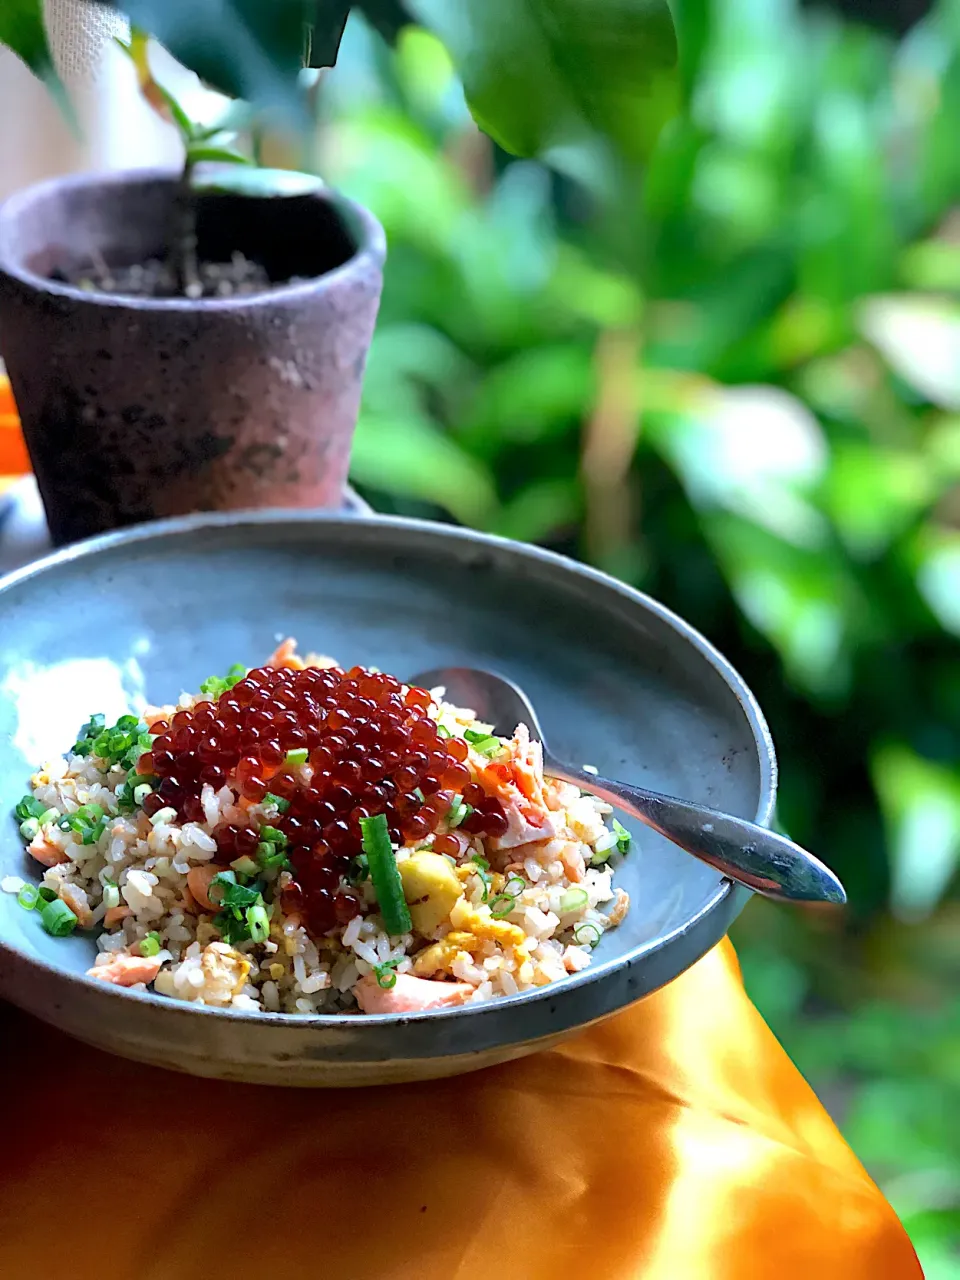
184	247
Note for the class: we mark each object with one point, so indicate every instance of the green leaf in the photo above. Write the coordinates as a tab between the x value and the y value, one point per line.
802	600
247	180
874	494
324	31
410	457
920	800
533	397
325	27
754	450
541	74
693	22
938	574
219	155
23	31
245	48
919	336
236	117
160	99
389	17
387	163
539	510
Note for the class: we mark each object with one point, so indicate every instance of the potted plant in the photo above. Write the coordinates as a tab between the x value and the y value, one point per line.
196	341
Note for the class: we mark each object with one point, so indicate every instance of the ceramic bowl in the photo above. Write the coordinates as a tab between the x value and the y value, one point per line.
619	682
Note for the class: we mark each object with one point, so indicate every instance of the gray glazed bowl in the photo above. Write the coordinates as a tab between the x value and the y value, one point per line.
619	681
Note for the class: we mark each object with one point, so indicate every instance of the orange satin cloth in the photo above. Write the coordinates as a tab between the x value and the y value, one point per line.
674	1142
14	461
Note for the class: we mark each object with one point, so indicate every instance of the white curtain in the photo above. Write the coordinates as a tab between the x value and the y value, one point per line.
118	130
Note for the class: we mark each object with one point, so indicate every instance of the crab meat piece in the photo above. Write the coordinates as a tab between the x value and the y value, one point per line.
409	994
47	854
124	970
517	782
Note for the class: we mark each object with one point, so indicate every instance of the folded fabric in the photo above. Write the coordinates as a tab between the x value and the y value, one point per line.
14	461
675	1141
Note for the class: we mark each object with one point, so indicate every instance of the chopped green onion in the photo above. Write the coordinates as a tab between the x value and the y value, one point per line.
603	848
383	872
486	743
268	855
270	850
150	945
519	881
573	900
581	934
297	757
443	731
28	897
245	866
358	869
88	822
258	922
163	816
214	686
88	735
48	815
274	835
623	836
233	894
384	973
282	805
47	894
482	870
29	807
458	812
123	744
126	802
419	794
506	900
111	896
30	829
58	919
240	905
140	793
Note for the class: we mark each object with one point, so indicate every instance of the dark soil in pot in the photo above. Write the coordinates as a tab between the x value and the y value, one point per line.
158	278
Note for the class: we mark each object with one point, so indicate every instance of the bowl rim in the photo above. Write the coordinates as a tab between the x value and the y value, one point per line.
157	531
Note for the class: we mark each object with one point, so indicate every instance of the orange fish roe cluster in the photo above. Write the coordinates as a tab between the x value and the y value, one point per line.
371	746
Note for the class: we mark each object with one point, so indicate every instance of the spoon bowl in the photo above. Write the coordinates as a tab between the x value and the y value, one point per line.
759	859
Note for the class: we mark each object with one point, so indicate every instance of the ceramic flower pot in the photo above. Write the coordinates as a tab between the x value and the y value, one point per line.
135	408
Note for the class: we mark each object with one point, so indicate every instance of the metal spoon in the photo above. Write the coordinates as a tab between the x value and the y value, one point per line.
765	862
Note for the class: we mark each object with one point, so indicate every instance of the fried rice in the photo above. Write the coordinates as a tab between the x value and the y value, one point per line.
491	916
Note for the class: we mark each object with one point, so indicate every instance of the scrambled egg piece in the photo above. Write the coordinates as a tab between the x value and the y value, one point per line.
431	888
472	927
441	955
479	921
224	973
497	881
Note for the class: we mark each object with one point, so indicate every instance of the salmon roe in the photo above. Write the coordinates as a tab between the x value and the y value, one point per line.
371	746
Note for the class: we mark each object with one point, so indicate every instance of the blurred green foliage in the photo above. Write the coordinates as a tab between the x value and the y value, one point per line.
732	379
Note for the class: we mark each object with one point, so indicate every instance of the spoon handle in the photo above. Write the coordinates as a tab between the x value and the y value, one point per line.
765	862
